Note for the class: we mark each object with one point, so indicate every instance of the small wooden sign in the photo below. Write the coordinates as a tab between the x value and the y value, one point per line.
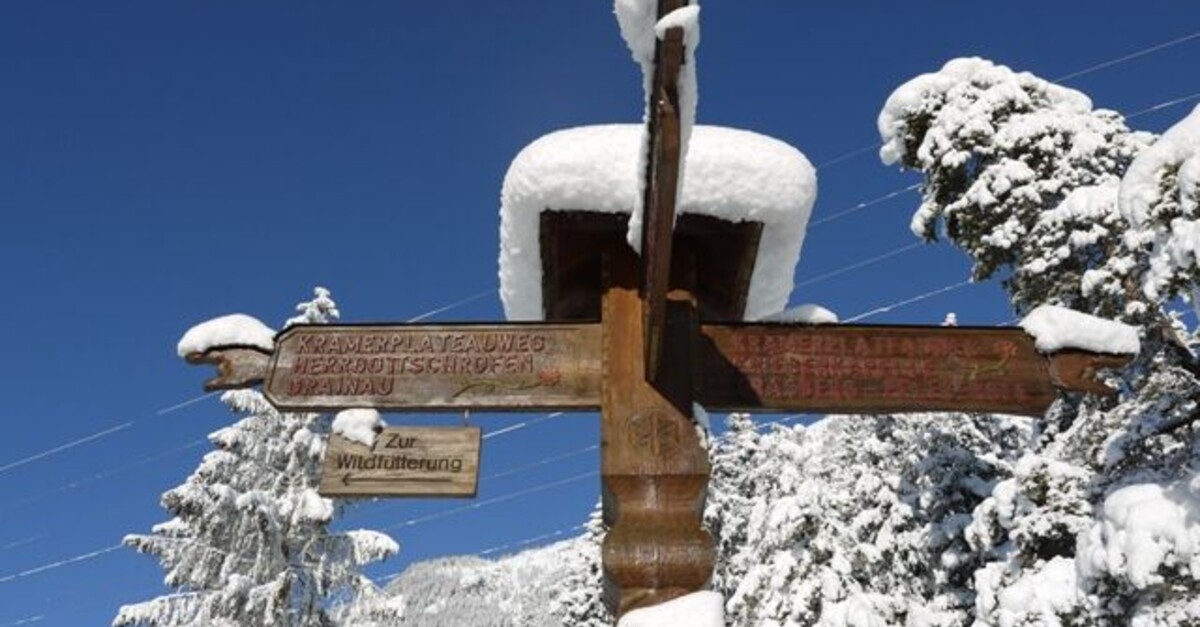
404	461
510	367
871	369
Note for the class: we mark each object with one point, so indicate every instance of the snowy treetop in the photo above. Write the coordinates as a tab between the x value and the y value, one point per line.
734	175
238	329
998	87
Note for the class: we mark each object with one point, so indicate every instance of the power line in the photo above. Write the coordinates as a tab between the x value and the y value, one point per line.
1163	105
106	474
908	301
528	541
847	156
522	425
60	563
1128	57
456	304
860	264
19	543
67	446
492	501
864	204
541	462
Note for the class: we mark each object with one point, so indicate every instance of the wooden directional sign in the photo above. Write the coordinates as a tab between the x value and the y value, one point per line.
404	461
744	367
876	369
435	367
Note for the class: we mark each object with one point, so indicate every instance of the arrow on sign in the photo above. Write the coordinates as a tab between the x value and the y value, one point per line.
350	478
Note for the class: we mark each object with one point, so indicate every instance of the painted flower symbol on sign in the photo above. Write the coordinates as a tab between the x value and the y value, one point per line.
549	377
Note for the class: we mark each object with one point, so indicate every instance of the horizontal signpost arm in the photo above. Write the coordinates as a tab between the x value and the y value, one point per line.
517	367
886	369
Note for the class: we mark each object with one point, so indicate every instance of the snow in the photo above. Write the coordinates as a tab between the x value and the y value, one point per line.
1005	87
1056	328
1148	193
804	314
641	31
358	425
733	174
698	609
1037	599
234	329
1145	532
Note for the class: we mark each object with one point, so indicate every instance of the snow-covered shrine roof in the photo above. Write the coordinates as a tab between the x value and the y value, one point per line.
731	174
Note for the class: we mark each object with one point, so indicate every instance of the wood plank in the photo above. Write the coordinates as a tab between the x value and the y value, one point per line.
871	369
664	129
654	470
404	461
510	367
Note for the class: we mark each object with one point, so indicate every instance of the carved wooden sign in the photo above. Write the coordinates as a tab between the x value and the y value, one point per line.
432	367
404	461
871	369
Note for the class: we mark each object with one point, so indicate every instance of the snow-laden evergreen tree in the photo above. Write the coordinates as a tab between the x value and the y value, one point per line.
1099	522
856	520
999	151
249	541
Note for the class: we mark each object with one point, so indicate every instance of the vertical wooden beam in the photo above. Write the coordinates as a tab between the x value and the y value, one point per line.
654	468
663	126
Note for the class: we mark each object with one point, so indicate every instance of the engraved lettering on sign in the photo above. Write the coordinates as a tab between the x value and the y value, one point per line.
404	460
854	367
432	365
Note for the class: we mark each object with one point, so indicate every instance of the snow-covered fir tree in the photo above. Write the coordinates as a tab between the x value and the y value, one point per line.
1000	152
1099	522
856	520
249	541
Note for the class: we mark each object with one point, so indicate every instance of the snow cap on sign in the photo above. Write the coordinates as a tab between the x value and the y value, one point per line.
238	329
734	175
1056	328
358	425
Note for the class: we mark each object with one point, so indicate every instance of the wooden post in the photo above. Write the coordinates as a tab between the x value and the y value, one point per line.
654	469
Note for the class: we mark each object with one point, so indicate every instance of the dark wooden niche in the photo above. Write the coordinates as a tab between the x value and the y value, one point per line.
573	243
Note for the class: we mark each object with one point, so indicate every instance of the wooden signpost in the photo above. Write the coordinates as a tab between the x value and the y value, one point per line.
404	461
667	338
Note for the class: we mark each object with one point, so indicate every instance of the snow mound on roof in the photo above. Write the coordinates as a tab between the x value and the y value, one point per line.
238	329
698	609
734	175
1056	328
1143	187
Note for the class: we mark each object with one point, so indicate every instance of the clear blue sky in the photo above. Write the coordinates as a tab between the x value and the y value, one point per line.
162	163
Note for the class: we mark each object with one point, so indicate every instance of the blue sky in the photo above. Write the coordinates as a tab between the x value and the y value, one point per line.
163	163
